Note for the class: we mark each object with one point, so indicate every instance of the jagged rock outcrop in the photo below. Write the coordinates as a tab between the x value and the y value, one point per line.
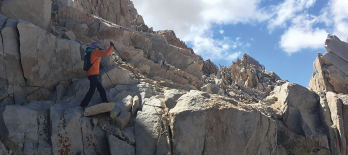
209	68
331	73
171	38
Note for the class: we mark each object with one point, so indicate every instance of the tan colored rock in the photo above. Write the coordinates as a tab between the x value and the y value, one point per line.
76	15
171	38
333	59
135	105
115	11
111	76
298	103
334	45
335	106
98	109
43	68
209	68
195	112
34	11
123	119
118	146
69	35
337	79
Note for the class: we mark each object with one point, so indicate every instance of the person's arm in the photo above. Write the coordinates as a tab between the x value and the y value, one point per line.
104	54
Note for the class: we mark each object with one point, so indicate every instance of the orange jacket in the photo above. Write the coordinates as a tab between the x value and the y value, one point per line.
95	61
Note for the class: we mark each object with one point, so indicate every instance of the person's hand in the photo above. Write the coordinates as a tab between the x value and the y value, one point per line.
112	44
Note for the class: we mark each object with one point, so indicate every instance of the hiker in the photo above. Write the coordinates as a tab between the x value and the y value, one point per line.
92	73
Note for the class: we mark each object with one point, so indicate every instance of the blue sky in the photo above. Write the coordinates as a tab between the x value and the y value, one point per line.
285	36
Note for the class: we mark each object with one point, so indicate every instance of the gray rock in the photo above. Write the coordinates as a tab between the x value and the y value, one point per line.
336	109
124	104
34	11
99	108
69	35
334	45
212	89
119	147
27	128
147	126
12	59
333	59
52	59
123	119
66	136
129	135
94	138
3	150
111	76
171	96
298	103
123	94
197	127
117	132
135	105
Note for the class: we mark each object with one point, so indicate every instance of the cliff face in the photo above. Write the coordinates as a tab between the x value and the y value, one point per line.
164	99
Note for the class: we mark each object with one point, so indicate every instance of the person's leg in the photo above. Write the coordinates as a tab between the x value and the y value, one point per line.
101	92
92	79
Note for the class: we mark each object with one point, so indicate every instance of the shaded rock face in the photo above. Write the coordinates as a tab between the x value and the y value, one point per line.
209	68
331	73
299	108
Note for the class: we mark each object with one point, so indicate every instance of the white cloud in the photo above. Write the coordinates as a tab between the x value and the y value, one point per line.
225	49
339	12
192	20
302	35
286	11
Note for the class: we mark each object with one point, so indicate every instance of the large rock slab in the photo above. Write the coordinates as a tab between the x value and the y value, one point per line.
198	124
119	147
94	139
300	108
331	130
47	60
112	76
337	79
318	81
12	57
3	78
171	97
334	45
34	11
98	109
333	59
336	110
27	128
66	136
147	125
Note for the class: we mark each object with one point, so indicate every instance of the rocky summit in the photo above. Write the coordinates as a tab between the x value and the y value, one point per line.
162	97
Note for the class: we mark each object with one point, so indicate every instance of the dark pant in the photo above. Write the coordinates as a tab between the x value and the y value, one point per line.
94	82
